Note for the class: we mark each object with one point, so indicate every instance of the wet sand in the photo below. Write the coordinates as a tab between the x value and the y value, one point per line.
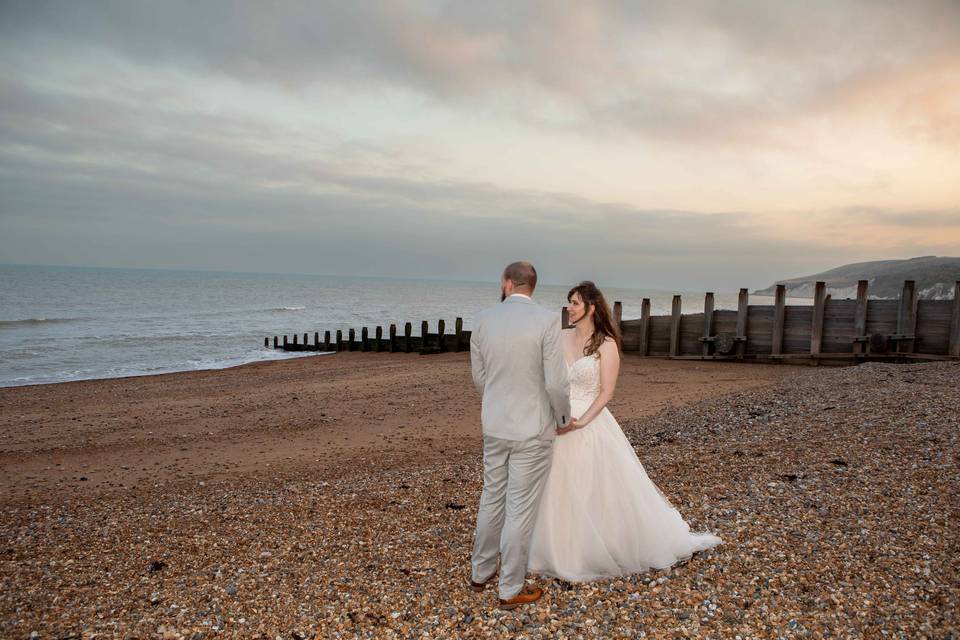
312	413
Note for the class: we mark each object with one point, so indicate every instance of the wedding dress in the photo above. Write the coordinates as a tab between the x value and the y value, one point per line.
600	515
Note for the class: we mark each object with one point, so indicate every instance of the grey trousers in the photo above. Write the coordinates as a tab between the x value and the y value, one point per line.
514	473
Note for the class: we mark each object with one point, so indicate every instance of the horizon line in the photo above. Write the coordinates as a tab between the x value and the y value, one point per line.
337	275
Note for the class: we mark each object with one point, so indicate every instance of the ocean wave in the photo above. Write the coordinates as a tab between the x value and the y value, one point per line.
287	309
25	322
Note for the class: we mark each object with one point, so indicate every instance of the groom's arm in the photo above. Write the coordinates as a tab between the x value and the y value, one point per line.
555	373
476	361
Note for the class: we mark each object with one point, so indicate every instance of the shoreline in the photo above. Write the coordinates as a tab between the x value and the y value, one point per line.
291	356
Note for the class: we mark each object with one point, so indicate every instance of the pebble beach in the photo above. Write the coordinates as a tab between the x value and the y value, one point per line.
335	497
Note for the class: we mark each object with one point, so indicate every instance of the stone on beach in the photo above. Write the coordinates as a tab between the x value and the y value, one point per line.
834	491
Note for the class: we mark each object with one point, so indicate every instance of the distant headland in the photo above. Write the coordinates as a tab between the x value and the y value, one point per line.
935	277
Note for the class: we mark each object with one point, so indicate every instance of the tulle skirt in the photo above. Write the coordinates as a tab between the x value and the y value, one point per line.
600	515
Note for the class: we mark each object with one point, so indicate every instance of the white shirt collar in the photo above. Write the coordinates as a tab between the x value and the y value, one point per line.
519	295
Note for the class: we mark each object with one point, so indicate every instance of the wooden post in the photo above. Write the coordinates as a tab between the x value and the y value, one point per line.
860	318
363	339
339	340
707	322
393	338
316	340
906	317
441	339
275	342
266	343
645	327
743	300
458	332
617	314
675	327
954	348
564	318
306	341
407	334
326	341
295	340
285	343
424	332
779	310
350	338
816	328
379	334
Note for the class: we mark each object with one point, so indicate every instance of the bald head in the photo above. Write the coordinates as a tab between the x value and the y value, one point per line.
520	277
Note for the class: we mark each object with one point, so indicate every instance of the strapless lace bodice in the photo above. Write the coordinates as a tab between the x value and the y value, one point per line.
584	379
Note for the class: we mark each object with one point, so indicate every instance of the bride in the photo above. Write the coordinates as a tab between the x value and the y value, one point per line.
600	515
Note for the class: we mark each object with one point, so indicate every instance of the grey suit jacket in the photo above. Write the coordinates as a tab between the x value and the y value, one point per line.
519	370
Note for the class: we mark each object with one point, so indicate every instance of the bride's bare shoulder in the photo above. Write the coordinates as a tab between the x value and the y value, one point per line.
608	347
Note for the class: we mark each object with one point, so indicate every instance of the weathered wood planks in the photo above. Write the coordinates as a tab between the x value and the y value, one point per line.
776	336
954	340
851	329
860	337
906	318
675	327
707	322
816	327
645	327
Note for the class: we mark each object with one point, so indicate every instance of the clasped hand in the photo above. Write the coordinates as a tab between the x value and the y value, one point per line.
570	426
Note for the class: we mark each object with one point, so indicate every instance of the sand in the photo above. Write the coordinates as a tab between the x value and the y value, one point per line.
313	413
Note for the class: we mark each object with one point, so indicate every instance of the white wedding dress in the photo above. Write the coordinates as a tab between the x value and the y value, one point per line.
600	515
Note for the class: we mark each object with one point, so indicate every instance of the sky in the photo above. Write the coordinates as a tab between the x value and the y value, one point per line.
689	145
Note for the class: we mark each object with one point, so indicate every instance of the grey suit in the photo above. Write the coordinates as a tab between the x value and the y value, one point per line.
519	370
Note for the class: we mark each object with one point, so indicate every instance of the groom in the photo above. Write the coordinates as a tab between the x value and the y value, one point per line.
519	370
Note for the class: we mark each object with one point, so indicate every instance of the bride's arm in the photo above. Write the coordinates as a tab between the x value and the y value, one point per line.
609	370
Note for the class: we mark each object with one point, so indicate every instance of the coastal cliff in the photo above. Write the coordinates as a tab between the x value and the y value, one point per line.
935	277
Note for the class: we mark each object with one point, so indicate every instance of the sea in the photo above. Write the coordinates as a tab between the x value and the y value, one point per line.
59	324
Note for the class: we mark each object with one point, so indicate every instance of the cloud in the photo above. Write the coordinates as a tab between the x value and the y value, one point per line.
945	219
393	137
197	191
657	68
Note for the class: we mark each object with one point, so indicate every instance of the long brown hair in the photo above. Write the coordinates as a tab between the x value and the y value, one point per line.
603	325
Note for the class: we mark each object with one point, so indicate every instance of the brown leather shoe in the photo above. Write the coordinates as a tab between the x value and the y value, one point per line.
526	596
480	586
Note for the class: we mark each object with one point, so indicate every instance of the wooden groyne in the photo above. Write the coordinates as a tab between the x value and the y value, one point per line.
859	329
393	342
849	329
